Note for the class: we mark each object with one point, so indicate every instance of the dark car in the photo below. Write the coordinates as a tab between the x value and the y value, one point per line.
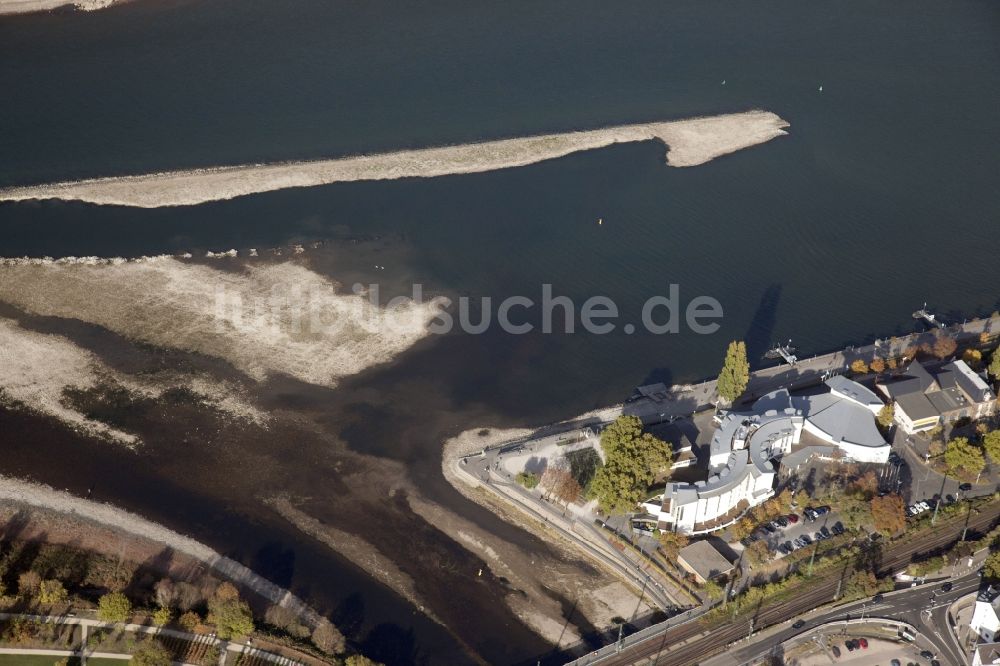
949	499
927	654
822	510
781	520
838	528
825	531
947	587
850	645
799	624
806	539
835	650
895	662
965	487
783	549
771	529
877	599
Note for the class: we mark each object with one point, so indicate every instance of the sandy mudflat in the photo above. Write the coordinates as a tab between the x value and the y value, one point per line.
689	142
29	6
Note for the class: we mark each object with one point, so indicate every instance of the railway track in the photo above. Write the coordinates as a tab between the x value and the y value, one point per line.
688	644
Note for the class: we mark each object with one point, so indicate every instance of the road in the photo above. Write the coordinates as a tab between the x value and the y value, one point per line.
924	607
694	641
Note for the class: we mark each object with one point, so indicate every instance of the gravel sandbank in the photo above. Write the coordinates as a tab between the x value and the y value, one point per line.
689	142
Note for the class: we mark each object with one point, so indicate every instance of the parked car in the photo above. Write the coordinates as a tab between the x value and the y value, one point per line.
849	644
771	529
877	599
863	642
783	549
799	624
792	518
924	506
822	510
835	650
895	662
949	499
826	532
965	487
819	536
927	654
782	521
810	514
838	528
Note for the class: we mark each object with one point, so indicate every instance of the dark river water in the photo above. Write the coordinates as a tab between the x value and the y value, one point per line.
883	196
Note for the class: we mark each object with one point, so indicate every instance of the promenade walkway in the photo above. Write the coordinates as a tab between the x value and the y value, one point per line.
225	647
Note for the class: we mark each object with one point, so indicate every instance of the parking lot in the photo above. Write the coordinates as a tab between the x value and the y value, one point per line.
826	525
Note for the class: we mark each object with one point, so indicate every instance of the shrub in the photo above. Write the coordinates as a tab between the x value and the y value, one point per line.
162	616
328	638
151	653
189	620
27	584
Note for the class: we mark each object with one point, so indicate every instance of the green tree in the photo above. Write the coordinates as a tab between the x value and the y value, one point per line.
991	567
162	616
735	374
962	458
527	479
633	458
886	415
994	368
114	607
712	590
230	615
151	653
991	443
52	592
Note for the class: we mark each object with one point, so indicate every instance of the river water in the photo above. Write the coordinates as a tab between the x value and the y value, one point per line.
883	196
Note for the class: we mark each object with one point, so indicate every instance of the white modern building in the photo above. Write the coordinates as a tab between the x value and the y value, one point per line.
986	615
747	448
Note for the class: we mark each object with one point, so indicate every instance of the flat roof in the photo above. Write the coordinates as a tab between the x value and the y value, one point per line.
703	557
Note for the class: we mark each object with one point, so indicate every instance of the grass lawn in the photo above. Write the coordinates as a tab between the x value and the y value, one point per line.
34	660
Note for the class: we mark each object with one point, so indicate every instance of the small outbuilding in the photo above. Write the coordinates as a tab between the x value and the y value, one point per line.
703	561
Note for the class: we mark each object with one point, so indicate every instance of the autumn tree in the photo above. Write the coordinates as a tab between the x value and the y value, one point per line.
973	358
944	346
758	553
888	514
866	485
633	459
735	374
328	638
963	458
27	584
877	365
859	367
360	660
672	542
114	607
742	529
886	415
558	481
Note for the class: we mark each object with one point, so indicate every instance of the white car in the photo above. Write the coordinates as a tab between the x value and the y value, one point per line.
924	506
